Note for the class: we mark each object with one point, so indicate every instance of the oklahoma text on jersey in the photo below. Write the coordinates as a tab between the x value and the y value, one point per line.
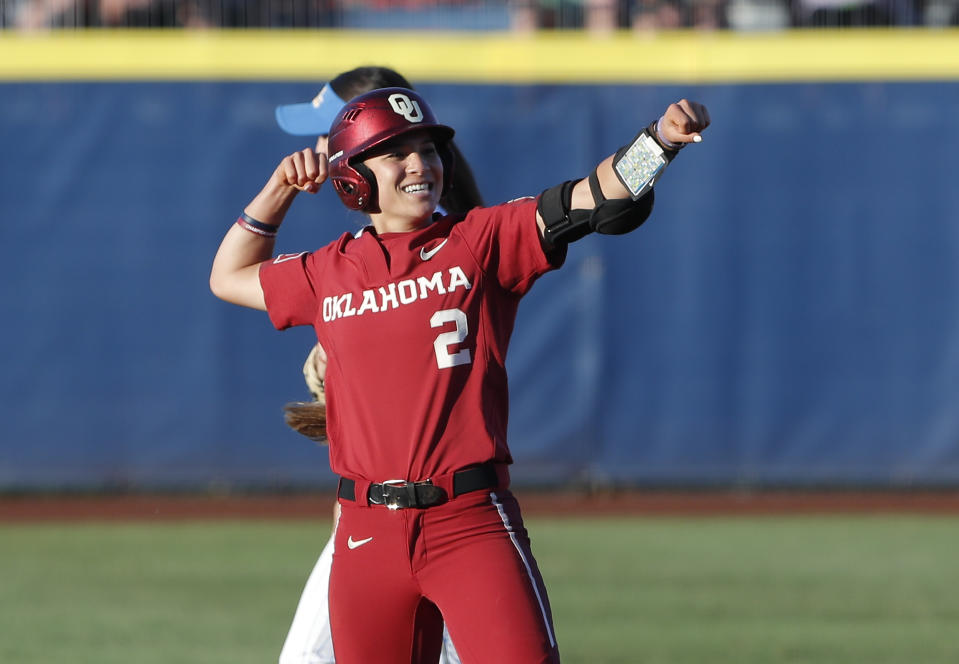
394	294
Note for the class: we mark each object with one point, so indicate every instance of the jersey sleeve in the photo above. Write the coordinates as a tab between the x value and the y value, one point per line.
287	283
509	239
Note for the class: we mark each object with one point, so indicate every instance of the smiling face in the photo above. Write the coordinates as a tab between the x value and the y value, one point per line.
409	181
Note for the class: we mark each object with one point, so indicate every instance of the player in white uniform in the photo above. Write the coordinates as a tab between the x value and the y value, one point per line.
309	640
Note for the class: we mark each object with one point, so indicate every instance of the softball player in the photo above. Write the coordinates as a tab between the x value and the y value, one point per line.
308	640
416	314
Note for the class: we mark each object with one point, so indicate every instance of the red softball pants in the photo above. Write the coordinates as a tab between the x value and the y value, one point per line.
469	557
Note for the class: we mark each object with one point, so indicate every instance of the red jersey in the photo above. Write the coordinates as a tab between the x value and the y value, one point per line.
416	326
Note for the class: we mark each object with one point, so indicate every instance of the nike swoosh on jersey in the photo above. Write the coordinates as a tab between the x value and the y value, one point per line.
426	255
354	544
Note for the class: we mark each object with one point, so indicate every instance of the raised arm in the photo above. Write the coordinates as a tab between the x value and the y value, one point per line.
235	276
602	202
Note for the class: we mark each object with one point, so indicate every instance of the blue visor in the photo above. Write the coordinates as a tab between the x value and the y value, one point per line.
313	118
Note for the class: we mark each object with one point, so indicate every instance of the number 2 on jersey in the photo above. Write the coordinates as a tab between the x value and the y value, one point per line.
445	359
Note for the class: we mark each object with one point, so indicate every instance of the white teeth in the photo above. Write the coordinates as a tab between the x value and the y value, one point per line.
415	188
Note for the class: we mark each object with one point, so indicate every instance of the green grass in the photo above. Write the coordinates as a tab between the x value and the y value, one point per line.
825	590
843	590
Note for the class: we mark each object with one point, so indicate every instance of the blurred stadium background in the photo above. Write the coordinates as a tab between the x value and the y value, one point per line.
523	15
787	319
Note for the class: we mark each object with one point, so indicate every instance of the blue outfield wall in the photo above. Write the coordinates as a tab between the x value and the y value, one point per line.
789	316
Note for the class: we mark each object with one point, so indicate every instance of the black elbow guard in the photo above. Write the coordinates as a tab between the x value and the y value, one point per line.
563	225
609	217
620	216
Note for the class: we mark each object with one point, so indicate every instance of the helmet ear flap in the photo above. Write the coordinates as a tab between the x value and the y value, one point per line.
356	187
371	202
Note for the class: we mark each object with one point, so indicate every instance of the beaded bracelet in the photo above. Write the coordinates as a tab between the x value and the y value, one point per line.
249	223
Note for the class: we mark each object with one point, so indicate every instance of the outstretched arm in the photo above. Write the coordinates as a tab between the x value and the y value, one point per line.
235	276
682	123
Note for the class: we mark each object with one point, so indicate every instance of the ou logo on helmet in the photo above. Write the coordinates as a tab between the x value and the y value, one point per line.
408	108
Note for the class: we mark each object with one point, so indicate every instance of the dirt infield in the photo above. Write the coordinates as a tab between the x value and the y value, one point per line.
158	507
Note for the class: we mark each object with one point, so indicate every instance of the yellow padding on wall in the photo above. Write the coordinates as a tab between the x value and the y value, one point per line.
484	57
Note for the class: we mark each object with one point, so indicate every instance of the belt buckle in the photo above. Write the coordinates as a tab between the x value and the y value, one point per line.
391	502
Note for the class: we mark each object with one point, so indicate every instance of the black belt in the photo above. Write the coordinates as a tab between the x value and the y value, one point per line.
399	494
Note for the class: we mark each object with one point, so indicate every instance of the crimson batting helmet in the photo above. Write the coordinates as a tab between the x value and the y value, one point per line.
372	119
